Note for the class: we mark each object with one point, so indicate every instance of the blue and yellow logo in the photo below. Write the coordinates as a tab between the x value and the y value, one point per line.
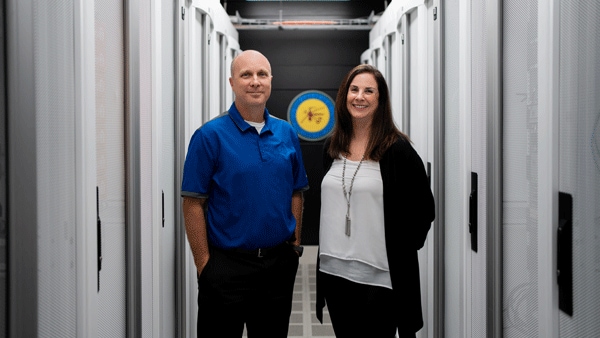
311	114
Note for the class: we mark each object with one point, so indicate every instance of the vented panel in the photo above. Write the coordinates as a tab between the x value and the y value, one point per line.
580	157
520	200
55	144
479	118
110	165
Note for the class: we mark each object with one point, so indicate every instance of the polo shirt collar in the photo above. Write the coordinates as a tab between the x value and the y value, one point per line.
237	118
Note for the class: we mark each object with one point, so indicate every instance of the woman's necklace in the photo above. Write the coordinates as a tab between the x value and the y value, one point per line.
349	193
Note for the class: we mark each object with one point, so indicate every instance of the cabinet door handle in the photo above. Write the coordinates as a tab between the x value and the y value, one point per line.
564	253
99	234
473	211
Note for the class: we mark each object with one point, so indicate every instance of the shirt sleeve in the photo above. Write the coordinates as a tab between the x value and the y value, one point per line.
199	165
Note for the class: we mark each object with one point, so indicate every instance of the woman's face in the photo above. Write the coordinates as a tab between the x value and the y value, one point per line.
363	97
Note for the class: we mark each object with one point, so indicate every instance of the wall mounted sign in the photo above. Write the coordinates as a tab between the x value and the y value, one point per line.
311	114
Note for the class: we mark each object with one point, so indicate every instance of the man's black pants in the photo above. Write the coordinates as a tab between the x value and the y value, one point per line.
237	288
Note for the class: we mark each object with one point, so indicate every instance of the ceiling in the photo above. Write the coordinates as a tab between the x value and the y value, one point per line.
304	10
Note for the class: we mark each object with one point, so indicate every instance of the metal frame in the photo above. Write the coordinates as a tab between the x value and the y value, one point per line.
465	109
438	173
85	147
21	170
405	73
3	166
548	166
181	301
223	83
336	24
157	204
494	170
133	171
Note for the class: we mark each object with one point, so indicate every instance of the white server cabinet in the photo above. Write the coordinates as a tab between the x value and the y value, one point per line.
402	47
85	151
569	107
51	169
206	45
164	14
465	149
521	112
111	181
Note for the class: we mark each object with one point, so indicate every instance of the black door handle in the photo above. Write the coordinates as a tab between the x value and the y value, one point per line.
473	211
99	235
564	253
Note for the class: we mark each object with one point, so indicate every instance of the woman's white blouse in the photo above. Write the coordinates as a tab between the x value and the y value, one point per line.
360	257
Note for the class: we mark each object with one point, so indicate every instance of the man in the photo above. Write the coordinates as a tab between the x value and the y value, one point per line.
242	187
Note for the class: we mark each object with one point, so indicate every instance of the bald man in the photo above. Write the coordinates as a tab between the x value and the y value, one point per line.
242	188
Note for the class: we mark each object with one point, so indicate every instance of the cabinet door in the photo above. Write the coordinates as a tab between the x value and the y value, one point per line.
579	168
110	167
520	212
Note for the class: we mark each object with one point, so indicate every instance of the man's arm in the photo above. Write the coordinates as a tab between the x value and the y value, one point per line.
195	228
297	208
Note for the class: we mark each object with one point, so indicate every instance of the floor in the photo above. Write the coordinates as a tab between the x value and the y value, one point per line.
303	321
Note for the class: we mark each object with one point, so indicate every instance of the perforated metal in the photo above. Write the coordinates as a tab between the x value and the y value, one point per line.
110	165
520	142
580	157
55	146
479	155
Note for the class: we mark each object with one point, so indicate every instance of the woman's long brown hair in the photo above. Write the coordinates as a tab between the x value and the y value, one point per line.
383	130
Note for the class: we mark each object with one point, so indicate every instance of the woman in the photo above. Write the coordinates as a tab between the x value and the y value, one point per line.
376	210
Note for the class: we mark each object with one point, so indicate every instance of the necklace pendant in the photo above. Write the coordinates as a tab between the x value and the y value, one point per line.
347	226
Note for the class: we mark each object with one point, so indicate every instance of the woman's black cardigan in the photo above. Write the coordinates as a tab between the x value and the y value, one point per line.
409	210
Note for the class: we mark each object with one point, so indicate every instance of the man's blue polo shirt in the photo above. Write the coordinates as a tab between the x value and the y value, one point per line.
248	179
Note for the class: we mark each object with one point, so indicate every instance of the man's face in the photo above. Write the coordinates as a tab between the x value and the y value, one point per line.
251	80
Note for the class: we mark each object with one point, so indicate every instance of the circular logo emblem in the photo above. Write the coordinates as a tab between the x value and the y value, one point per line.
311	114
